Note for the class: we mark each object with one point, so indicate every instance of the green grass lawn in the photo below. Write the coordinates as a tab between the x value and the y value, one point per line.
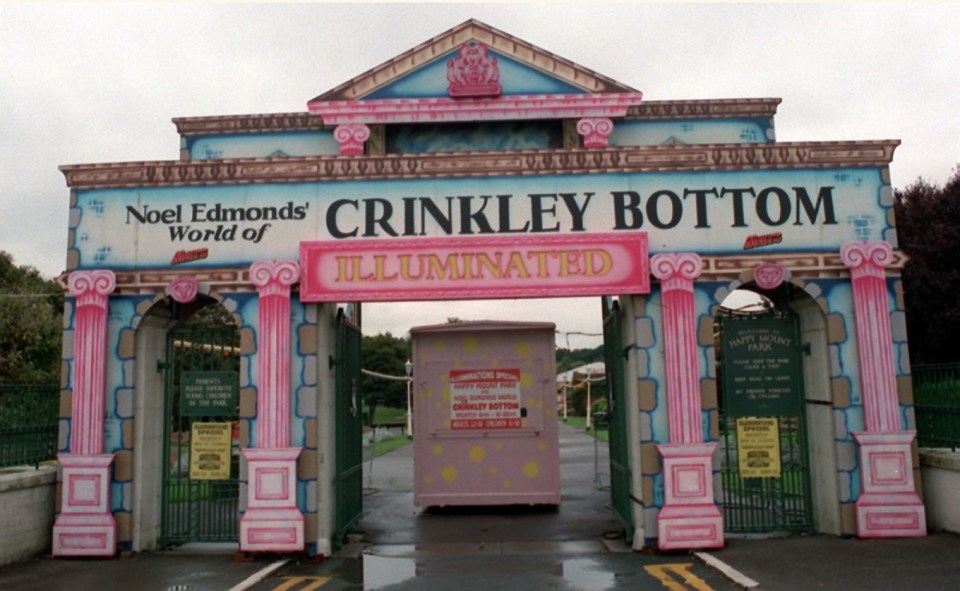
385	415
386	446
581	423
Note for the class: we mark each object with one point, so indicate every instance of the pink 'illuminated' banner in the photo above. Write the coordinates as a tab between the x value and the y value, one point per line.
474	268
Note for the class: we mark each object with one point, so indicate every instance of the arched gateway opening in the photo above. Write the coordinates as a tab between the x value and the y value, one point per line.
375	500
773	386
187	452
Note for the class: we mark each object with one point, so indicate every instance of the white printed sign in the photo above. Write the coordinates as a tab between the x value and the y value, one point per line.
485	399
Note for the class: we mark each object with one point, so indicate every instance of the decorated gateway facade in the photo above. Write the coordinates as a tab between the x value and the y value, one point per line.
211	342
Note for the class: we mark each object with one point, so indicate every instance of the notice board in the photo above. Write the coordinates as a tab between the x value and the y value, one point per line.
210	448
762	367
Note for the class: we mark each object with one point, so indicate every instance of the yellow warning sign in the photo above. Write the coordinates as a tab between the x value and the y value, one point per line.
758	447
210	451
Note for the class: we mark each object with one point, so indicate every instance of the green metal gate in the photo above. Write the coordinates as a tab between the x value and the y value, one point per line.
765	466
200	485
619	456
349	413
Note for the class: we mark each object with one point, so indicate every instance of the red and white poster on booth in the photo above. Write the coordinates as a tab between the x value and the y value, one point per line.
485	399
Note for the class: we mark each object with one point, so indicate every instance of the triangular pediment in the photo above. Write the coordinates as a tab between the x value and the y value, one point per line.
421	72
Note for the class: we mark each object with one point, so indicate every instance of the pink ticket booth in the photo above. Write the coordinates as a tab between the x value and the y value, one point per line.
485	421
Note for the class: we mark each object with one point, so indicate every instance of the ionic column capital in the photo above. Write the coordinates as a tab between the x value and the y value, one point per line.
274	277
91	288
351	137
676	270
595	131
866	258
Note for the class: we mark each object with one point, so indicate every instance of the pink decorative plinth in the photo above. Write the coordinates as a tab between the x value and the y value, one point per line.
272	522
85	526
689	517
889	506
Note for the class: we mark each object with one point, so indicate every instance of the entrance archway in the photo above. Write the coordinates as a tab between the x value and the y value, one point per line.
200	489
172	338
585	511
791	426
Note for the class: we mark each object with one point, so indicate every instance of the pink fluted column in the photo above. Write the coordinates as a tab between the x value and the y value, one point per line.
272	522
888	505
85	526
689	517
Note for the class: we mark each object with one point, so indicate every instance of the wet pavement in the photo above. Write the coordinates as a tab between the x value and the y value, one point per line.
578	546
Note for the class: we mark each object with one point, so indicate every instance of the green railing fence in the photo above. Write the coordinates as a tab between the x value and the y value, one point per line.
936	394
29	415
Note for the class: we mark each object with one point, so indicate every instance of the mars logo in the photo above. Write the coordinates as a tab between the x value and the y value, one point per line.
758	240
187	256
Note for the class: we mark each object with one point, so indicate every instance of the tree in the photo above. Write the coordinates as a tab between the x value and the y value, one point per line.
928	231
385	354
568	359
31	325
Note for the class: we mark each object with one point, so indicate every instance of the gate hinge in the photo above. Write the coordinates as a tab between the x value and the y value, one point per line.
162	366
333	362
806	349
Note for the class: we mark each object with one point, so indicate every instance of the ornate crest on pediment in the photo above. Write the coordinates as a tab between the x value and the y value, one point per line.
473	72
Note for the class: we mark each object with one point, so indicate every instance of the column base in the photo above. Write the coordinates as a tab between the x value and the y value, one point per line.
891	516
272	521
85	526
265	530
689	518
85	535
889	506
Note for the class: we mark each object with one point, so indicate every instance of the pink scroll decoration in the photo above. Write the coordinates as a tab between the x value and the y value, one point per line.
274	279
183	289
676	272
474	72
874	341
90	288
351	137
595	131
769	275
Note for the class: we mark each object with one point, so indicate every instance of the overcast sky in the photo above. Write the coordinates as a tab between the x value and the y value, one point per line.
94	83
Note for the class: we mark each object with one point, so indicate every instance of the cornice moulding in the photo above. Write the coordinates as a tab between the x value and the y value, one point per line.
682	158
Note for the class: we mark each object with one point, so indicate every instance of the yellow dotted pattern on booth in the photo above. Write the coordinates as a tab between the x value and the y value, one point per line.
471	350
477	454
526	380
531	469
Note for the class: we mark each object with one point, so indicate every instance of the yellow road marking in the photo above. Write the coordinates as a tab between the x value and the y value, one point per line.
663	572
309	583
